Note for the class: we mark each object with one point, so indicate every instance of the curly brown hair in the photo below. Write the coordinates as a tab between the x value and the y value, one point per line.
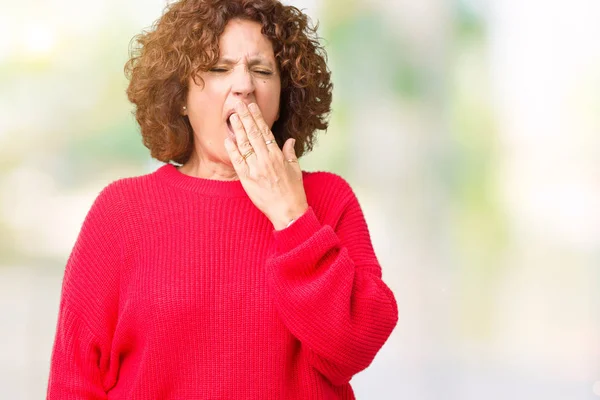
184	42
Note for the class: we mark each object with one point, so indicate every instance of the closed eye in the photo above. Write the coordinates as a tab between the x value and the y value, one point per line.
261	72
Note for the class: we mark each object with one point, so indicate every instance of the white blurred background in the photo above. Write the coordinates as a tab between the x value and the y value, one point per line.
469	129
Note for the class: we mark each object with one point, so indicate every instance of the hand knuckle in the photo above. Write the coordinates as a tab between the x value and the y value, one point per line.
277	157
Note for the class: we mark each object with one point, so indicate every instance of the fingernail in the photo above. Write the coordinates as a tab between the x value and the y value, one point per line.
293	142
253	107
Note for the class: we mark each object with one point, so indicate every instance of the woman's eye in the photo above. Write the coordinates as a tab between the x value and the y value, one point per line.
218	70
264	72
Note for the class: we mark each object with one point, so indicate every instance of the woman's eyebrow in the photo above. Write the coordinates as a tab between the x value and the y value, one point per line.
251	61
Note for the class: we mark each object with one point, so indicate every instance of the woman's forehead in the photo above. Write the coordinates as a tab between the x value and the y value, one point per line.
245	34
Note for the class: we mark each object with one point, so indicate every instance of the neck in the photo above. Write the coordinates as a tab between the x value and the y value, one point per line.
200	167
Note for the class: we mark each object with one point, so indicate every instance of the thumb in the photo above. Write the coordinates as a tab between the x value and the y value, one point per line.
288	149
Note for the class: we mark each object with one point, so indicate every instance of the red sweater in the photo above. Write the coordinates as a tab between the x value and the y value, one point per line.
180	288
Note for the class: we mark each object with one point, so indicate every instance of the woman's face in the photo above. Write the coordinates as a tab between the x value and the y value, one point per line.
246	71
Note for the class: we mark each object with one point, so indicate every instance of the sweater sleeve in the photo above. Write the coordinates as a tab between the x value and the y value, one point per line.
329	293
80	366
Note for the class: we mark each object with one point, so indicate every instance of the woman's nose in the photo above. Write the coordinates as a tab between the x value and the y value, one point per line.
242	84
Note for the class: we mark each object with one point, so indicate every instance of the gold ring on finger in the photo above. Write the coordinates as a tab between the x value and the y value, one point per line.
248	154
291	161
269	141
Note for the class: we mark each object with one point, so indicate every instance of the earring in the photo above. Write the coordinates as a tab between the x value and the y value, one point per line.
184	108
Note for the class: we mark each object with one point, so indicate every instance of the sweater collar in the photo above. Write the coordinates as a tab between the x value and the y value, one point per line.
212	187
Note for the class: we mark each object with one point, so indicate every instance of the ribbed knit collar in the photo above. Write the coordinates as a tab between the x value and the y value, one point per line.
211	187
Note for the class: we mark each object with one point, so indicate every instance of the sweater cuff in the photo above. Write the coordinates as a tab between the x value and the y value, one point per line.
301	230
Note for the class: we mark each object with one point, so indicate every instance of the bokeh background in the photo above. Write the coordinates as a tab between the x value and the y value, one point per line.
469	129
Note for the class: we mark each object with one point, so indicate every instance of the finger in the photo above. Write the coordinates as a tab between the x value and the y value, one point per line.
238	162
262	126
289	152
243	144
253	132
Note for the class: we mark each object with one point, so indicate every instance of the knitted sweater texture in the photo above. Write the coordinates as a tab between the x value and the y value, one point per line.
180	288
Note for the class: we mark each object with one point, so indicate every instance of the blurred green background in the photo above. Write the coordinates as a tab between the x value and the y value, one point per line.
469	129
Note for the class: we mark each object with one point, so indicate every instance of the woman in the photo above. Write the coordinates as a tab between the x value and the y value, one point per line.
235	274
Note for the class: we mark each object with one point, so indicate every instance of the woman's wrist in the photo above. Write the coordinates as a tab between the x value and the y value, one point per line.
290	220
